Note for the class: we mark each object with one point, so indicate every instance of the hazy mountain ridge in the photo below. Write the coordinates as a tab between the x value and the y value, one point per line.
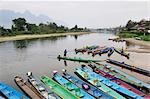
6	17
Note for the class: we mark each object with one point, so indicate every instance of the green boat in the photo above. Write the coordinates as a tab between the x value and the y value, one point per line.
98	84
57	88
77	59
123	76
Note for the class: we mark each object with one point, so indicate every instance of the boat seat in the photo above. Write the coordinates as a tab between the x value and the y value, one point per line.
96	92
110	85
69	86
3	88
78	92
100	80
116	87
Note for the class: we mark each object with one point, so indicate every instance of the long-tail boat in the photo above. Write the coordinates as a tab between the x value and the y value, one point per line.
22	84
87	87
11	93
98	84
57	88
87	48
133	68
100	71
72	87
122	53
40	87
125	77
77	59
111	51
96	50
125	92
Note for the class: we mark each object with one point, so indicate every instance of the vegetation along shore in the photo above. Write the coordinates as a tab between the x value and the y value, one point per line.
23	37
21	29
138	30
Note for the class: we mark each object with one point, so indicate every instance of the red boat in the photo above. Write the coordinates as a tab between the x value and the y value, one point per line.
80	50
96	50
118	81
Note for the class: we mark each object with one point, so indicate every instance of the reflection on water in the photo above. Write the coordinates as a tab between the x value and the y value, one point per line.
40	55
21	44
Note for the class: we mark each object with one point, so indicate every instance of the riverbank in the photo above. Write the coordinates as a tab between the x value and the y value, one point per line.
137	42
144	46
23	37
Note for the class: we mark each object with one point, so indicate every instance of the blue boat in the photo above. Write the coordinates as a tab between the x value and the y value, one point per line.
72	87
11	93
111	51
87	87
103	51
111	84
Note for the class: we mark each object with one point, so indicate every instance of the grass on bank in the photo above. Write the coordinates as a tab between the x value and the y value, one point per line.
129	34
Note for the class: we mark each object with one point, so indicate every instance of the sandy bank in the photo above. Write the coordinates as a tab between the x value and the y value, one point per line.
23	37
138	42
144	46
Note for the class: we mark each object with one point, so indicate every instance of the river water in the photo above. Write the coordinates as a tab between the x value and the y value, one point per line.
39	56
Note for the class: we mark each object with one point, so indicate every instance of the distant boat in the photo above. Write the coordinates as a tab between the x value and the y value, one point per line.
122	53
77	59
10	92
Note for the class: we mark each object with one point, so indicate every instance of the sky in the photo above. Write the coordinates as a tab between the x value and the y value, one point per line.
91	14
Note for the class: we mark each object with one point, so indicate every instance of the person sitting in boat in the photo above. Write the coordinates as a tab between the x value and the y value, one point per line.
65	52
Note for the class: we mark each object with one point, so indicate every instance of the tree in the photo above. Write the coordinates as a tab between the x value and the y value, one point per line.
130	24
31	27
75	27
19	24
5	32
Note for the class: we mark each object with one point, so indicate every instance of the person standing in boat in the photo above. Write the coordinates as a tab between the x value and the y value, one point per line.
65	52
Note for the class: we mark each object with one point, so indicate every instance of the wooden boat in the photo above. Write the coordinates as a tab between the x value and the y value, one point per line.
100	71
87	48
133	68
122	53
87	87
77	59
123	76
57	88
125	92
40	88
11	93
85	76
80	50
26	88
111	51
96	50
72	87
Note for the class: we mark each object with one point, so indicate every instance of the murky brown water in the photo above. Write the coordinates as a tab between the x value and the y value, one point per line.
39	56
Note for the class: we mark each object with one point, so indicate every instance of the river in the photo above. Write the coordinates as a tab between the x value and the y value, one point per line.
39	56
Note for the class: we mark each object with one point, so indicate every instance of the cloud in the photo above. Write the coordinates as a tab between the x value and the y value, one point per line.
93	14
